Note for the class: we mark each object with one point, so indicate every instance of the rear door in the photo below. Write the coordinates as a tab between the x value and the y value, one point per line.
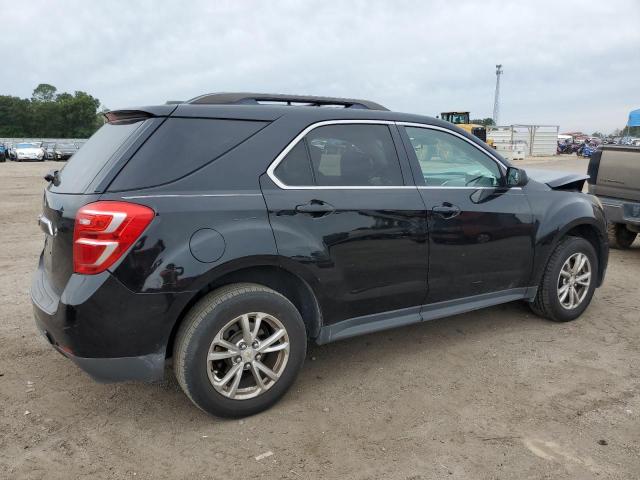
343	209
480	233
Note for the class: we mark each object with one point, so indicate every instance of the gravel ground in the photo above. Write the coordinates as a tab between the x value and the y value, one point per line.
497	393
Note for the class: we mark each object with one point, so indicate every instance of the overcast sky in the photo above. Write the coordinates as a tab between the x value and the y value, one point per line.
574	64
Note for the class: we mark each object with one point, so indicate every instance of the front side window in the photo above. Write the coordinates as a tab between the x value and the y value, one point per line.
343	155
448	161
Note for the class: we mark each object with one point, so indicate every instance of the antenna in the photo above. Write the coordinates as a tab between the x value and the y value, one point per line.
496	100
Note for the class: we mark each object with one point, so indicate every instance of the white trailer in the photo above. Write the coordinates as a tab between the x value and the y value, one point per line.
519	141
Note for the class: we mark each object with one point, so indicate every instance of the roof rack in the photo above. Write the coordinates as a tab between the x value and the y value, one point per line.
279	99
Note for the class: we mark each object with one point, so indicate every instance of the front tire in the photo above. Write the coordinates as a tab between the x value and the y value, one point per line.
620	236
239	350
568	282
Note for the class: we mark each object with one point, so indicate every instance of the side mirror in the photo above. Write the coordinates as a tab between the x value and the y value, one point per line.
516	177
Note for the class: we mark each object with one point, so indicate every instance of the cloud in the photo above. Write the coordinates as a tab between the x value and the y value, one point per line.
575	64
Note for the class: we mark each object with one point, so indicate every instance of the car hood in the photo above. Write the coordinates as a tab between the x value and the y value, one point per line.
558	180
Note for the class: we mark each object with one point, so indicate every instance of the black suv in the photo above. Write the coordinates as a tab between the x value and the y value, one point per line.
227	231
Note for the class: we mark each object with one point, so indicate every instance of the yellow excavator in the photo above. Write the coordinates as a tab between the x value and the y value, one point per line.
461	119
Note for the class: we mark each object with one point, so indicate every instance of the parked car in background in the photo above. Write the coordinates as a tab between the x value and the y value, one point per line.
48	150
29	152
614	177
11	149
64	151
227	233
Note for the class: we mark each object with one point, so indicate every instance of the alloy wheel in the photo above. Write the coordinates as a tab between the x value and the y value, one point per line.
248	355
574	281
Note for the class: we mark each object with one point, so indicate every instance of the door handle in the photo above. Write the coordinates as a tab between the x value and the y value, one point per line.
447	211
316	208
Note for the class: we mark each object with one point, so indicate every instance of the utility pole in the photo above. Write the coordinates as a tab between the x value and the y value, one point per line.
496	100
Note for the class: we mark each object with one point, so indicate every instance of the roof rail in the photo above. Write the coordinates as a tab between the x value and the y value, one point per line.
300	100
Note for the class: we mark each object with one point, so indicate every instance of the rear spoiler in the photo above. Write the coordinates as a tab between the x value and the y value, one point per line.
139	113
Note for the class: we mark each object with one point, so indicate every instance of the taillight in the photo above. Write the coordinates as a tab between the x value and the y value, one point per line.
104	231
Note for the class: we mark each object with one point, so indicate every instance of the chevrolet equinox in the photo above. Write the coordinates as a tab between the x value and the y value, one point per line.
227	231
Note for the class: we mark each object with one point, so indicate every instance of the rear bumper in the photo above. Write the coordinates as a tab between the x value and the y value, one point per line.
109	331
146	368
621	211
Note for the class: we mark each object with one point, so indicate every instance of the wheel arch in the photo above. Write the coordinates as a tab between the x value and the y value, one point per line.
268	272
589	228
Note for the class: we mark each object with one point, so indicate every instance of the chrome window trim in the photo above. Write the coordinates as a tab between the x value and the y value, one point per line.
271	169
446	130
313	126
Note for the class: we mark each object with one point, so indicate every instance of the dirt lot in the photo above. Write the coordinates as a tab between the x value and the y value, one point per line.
497	393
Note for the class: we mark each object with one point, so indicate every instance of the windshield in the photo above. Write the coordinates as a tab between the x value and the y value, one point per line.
66	145
25	145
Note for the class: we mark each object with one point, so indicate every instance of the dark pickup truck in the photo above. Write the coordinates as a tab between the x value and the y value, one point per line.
614	177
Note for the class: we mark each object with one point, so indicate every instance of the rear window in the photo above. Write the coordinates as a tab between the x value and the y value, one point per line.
179	147
78	173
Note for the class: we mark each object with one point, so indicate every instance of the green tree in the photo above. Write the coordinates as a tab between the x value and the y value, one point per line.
44	93
49	114
100	118
14	116
78	113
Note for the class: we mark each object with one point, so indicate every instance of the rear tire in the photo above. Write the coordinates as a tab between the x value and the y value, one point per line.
212	345
620	236
558	278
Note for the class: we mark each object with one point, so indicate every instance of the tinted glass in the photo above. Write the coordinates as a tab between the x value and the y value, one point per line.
179	147
354	155
295	168
83	167
449	161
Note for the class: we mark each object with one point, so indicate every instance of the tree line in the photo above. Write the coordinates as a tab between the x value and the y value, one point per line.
49	114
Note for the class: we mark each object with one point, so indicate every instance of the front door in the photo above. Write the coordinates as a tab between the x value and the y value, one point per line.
343	210
480	233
